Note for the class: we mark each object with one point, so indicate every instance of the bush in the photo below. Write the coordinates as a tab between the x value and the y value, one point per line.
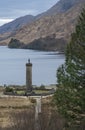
9	89
32	100
42	87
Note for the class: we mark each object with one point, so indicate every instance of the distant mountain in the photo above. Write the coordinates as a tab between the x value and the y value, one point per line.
16	24
61	7
59	21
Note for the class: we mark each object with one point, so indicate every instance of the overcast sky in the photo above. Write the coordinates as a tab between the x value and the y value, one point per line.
12	9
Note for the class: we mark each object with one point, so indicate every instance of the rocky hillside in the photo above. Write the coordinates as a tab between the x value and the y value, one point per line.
63	6
16	24
59	21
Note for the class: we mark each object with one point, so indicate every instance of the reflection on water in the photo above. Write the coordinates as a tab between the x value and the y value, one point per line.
12	66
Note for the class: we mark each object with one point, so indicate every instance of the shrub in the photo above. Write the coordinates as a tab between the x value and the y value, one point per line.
9	89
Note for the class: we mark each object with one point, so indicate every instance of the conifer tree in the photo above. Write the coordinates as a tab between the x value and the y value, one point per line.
70	95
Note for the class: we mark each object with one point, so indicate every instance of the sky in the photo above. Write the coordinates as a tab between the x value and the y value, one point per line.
12	9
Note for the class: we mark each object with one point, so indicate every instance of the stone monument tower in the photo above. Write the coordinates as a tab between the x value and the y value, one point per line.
29	76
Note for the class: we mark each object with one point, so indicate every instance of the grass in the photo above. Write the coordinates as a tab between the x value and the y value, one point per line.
13	101
10	104
15	104
4	117
41	91
20	92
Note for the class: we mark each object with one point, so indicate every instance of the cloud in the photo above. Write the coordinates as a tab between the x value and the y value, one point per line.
3	21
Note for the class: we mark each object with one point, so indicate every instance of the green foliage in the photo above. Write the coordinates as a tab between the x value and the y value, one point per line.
9	89
42	87
32	100
70	95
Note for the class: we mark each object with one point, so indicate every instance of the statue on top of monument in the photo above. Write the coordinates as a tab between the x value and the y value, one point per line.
28	60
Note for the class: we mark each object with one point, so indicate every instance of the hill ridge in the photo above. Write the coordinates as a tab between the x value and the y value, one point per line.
48	24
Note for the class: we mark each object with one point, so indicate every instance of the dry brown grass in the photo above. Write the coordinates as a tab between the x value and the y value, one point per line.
9	105
13	102
4	117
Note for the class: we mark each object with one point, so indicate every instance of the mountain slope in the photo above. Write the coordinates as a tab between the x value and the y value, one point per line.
61	7
59	21
60	25
16	24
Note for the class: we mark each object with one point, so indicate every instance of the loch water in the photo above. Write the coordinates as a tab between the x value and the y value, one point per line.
13	66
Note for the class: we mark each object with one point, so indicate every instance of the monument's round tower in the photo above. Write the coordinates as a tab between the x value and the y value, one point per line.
29	76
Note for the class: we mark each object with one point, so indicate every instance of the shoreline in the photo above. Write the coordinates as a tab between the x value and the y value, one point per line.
54	52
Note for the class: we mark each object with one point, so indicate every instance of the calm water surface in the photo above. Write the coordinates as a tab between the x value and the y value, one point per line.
13	69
